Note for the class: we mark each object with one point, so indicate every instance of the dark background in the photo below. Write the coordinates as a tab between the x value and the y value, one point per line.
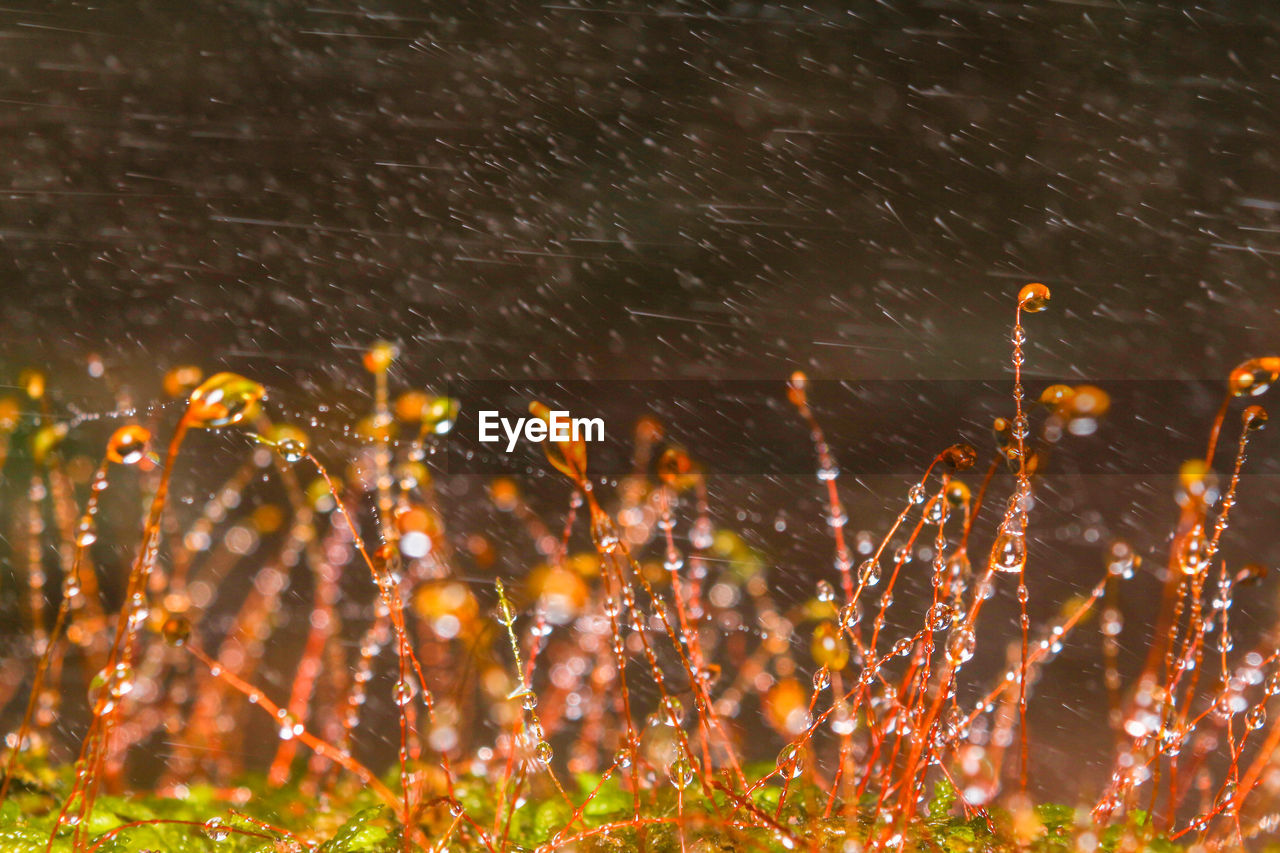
664	191
515	188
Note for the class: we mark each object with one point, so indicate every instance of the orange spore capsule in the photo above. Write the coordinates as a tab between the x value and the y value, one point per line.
380	356
128	444
829	647
182	380
1033	297
785	705
960	457
224	399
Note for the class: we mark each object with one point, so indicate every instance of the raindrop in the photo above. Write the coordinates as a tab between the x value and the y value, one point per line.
1009	552
216	830
960	646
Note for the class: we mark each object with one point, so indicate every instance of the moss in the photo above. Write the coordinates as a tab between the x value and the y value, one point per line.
280	820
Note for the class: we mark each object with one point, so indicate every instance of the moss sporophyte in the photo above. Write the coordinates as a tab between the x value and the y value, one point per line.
642	686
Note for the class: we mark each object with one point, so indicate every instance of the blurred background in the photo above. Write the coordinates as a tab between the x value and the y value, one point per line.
669	190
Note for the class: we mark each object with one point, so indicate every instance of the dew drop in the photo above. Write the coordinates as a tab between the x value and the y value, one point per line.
1256	718
680	771
939	616
403	692
790	764
960	646
215	830
1009	552
1193	555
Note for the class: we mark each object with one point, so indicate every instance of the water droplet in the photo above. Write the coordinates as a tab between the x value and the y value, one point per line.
86	532
403	692
701	535
960	646
869	572
1170	741
842	722
289	725
1009	551
790	764
1273	683
604	534
287	440
1121	559
118	681
1256	718
216	830
1193	555
680	771
1112	622
826	592
939	616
